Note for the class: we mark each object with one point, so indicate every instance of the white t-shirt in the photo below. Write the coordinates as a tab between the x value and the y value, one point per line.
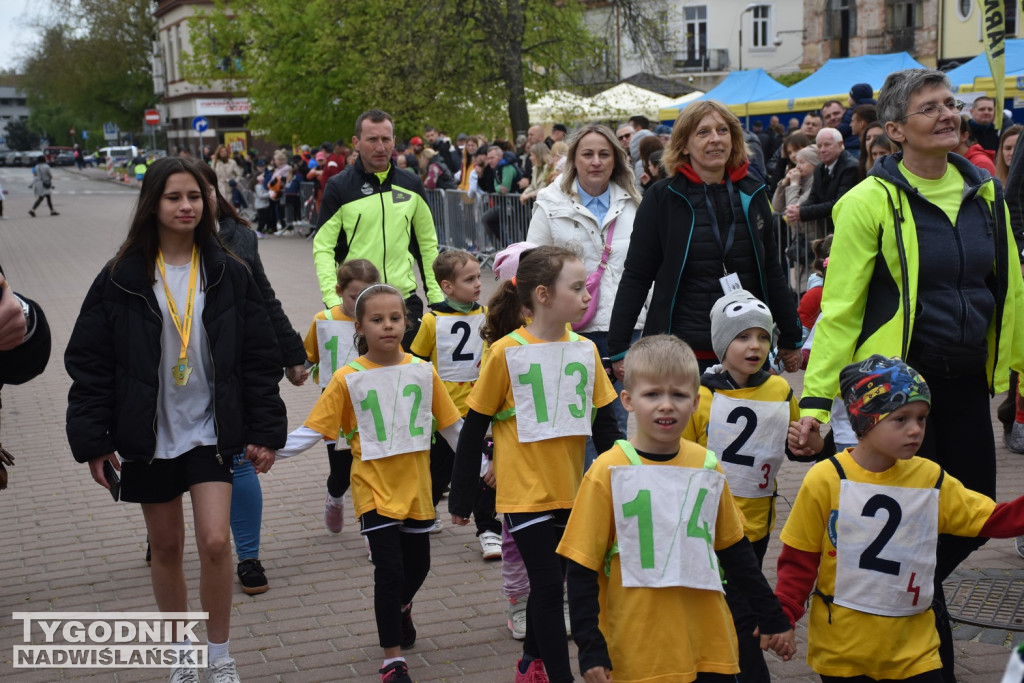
184	415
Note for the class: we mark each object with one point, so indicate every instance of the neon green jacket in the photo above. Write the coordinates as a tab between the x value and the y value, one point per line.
870	297
387	223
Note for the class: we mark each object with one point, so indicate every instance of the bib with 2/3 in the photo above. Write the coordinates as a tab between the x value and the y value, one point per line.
885	548
459	347
334	341
393	407
553	388
749	438
665	525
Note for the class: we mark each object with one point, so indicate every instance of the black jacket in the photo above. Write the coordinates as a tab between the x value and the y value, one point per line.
672	247
114	354
242	241
825	194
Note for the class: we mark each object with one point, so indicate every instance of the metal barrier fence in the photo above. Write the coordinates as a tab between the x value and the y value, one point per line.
483	224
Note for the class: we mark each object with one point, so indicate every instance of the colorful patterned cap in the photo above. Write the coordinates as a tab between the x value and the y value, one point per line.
873	388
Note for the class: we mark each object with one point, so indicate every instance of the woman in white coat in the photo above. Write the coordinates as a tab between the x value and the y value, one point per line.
590	207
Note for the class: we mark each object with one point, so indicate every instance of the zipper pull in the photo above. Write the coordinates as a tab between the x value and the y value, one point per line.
220	461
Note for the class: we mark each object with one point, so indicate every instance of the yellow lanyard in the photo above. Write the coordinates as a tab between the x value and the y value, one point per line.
181	371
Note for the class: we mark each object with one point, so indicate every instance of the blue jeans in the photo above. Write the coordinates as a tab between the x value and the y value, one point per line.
600	340
246	509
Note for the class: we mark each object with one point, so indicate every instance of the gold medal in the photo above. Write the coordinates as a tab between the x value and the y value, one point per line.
181	372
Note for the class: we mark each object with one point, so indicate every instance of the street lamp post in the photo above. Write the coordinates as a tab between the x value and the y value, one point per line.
745	10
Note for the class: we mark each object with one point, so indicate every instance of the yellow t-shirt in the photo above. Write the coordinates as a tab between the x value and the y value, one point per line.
539	475
312	350
686	630
847	643
425	346
398	486
759	513
946	192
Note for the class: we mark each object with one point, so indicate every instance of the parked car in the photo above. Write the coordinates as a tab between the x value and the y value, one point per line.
121	155
66	158
9	158
53	153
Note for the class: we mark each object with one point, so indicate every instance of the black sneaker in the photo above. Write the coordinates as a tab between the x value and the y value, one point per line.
395	672
408	629
254	580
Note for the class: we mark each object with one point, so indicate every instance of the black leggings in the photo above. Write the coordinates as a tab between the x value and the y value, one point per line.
753	668
39	200
442	457
400	564
927	677
341	470
545	622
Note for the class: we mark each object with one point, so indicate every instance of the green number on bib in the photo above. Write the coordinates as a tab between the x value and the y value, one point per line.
581	388
417	394
640	507
536	382
371	404
332	346
693	526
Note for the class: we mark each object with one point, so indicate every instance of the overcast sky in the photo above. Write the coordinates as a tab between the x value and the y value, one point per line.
16	35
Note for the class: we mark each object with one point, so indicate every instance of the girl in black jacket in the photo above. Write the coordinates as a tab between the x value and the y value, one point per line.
176	400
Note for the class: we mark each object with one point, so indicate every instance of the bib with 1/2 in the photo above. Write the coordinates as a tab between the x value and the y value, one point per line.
393	407
334	340
553	388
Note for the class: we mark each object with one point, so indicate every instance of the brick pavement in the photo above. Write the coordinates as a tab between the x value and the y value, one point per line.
67	547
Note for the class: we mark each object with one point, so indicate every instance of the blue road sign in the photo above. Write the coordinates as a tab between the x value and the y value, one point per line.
200	124
85	135
109	128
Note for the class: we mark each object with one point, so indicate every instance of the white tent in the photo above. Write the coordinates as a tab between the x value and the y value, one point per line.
559	106
686	99
625	99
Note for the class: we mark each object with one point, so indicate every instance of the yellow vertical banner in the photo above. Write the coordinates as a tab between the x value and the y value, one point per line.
235	142
995	46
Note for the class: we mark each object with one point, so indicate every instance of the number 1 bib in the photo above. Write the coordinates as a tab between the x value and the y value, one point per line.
749	438
665	520
334	342
394	408
553	388
459	347
885	549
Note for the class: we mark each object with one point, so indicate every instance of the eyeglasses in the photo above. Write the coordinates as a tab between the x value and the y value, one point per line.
626	136
933	109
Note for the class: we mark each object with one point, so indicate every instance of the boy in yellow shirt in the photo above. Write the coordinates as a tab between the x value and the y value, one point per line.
653	523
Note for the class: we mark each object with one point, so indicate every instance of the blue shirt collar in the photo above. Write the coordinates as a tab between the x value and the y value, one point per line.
601	202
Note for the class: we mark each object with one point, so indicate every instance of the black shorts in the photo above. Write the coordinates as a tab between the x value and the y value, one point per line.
162	480
373	520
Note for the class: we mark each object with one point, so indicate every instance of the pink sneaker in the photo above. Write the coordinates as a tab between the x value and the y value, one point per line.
535	673
334	515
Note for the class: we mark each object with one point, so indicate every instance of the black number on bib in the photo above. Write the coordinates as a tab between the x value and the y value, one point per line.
869	559
457	354
732	451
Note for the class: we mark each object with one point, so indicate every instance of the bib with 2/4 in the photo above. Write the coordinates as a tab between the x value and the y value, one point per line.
459	347
553	388
393	407
665	525
885	548
334	341
749	438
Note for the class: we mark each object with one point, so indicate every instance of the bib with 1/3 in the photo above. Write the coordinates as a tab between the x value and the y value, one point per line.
885	548
665	520
334	341
459	347
749	438
393	407
553	388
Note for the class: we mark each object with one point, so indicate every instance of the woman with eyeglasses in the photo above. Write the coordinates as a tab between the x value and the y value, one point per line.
924	267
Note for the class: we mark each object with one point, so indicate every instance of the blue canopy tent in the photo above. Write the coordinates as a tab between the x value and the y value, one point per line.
975	76
832	82
738	88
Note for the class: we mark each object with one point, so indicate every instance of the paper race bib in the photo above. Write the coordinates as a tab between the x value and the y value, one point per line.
334	342
393	407
553	388
665	525
885	548
749	438
459	347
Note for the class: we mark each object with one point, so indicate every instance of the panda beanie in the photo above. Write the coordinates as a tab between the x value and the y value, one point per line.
737	311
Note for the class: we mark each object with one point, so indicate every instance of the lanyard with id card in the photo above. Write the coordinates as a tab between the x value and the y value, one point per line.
730	282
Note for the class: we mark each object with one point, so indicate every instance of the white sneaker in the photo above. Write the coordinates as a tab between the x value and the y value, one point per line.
369	553
565	613
222	671
334	515
184	674
438	524
517	618
490	545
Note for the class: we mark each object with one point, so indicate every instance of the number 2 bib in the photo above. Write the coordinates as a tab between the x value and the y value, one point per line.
553	388
749	439
665	520
394	407
335	346
885	547
459	347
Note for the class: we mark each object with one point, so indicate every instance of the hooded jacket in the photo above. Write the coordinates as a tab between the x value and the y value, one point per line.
872	302
674	248
113	358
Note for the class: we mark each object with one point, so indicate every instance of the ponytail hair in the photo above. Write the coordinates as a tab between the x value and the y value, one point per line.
509	306
370	292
